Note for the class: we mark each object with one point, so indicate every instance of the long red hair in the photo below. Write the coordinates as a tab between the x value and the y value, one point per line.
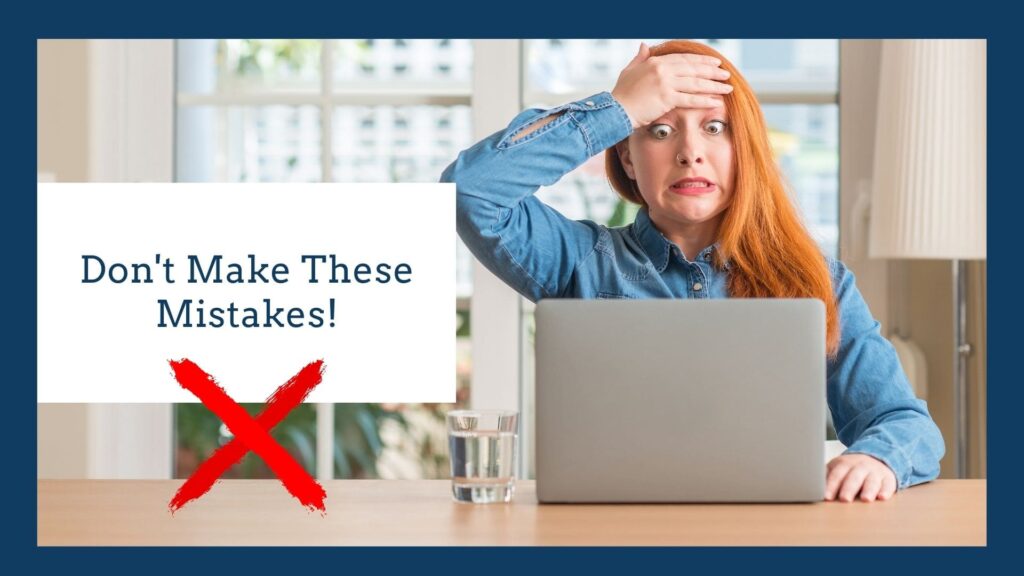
770	252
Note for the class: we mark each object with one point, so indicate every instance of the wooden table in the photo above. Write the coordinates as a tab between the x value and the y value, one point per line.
421	512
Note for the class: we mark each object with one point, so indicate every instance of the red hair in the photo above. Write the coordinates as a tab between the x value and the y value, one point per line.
770	252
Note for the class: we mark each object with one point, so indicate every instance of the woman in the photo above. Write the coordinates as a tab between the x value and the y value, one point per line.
685	139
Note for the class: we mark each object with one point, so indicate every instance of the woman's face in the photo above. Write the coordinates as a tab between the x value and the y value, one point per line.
683	166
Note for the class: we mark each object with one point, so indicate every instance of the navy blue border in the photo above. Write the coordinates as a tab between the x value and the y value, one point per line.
25	23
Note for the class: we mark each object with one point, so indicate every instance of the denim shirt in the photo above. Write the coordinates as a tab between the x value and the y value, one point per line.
542	254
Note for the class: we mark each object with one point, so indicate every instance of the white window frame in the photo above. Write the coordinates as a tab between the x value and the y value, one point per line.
133	107
495	319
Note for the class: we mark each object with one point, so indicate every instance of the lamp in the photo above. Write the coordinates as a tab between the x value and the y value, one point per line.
928	199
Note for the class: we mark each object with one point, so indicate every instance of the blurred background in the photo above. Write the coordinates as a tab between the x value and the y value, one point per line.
394	110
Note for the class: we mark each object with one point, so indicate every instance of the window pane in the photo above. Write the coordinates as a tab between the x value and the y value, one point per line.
785	65
397	143
401	144
805	139
788	66
440	63
234	66
199	432
561	66
248	144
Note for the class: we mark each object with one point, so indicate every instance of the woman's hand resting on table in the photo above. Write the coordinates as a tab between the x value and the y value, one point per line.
853	476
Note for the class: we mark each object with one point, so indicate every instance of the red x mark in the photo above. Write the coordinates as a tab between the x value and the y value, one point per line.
250	434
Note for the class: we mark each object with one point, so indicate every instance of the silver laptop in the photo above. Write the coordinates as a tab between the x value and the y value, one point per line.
680	400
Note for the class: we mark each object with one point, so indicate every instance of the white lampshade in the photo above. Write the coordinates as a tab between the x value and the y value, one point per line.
928	198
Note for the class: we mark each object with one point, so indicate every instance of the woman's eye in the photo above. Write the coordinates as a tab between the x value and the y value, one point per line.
661	131
715	127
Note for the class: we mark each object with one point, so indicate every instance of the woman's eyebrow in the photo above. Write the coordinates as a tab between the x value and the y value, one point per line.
677	115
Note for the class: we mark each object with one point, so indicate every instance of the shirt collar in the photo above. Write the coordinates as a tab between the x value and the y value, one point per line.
657	247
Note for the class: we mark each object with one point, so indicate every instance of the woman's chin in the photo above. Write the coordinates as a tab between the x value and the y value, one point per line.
692	217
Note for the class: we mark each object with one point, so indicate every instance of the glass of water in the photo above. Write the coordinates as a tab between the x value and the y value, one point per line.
482	451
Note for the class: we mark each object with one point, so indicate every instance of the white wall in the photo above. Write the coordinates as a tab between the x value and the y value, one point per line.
62	88
105	113
62	136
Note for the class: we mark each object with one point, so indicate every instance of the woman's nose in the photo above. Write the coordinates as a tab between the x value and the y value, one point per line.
688	158
690	151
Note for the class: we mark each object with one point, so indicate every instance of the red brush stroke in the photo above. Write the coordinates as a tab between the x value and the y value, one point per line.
250	434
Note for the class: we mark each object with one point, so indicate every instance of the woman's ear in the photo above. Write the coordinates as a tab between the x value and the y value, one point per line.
627	162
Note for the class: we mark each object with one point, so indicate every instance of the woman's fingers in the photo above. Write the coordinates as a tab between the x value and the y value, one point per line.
698	93
700	71
837	470
689	68
650	86
851	475
686	100
872	485
701	86
710	72
889	486
852	484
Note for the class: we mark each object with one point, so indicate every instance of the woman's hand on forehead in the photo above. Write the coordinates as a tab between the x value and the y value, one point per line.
650	86
718	110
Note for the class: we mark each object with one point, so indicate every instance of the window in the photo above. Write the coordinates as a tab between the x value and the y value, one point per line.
399	110
327	111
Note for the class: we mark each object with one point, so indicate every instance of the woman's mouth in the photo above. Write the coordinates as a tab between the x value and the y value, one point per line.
692	187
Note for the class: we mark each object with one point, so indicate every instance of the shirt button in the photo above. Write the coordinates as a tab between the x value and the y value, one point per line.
590	103
697	286
707	255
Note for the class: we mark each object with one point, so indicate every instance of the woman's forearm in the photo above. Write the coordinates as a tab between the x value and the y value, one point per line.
526	243
873	408
536	149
